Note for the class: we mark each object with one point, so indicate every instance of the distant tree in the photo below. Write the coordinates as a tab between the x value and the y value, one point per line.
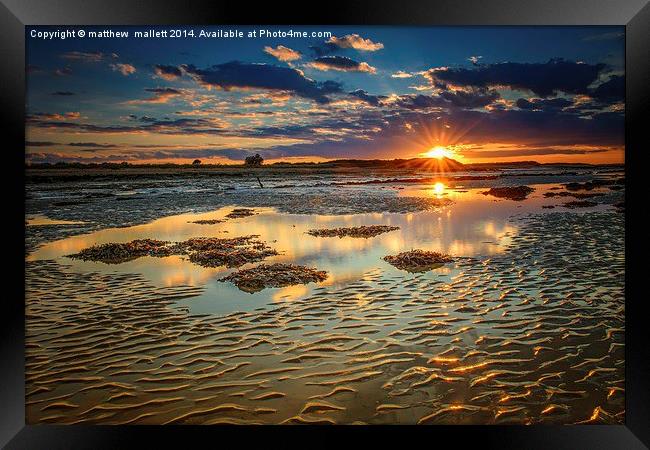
255	160
196	162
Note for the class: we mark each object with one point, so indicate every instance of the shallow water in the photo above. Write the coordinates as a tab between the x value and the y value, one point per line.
526	326
472	225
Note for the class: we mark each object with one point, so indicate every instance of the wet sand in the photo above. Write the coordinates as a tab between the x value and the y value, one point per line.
528	329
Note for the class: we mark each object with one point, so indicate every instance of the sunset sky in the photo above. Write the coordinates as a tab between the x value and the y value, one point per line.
476	94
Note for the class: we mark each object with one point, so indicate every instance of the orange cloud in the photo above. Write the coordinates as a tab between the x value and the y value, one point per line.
124	69
283	53
356	42
341	64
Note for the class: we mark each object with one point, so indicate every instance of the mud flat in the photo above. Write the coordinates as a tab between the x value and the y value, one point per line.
532	334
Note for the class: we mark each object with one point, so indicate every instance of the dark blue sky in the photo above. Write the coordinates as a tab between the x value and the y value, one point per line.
482	93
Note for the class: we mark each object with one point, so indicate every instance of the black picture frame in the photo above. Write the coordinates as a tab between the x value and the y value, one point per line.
16	14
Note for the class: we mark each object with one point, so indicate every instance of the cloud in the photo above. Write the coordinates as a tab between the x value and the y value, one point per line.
283	53
539	104
419	101
374	100
262	76
341	64
473	98
350	41
91	144
535	151
84	56
53	116
63	93
468	99
161	95
543	79
62	72
184	126
169	73
40	143
611	90
474	59
356	42
401	74
124	69
539	128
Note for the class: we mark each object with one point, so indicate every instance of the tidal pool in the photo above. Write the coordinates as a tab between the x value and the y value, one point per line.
472	224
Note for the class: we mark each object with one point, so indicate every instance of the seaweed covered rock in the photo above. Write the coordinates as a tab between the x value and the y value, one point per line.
117	253
418	260
208	221
589	185
510	192
204	251
240	212
274	275
356	232
580	195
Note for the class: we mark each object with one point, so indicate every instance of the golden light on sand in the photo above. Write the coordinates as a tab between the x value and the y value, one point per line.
438	152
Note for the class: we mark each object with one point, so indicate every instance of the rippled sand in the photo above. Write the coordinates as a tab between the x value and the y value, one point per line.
532	334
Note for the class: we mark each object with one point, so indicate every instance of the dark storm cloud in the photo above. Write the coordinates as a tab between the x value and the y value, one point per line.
63	93
262	76
544	79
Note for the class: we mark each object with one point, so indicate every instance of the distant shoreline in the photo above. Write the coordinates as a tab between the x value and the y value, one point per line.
77	171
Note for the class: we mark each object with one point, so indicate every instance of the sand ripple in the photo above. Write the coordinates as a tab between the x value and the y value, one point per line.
535	334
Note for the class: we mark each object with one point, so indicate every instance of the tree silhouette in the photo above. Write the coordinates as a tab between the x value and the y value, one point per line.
255	160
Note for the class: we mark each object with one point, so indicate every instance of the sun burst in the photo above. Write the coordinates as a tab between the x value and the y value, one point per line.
438	152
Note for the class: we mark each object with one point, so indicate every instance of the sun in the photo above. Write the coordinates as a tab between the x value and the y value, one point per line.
437	152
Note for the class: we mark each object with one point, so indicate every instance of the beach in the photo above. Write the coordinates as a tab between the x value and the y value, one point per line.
522	324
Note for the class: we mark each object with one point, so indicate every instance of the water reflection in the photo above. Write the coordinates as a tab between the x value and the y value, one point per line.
474	225
438	189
